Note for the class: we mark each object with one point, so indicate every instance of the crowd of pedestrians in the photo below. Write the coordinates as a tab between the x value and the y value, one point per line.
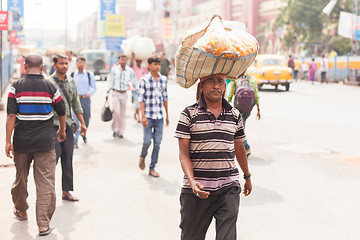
57	110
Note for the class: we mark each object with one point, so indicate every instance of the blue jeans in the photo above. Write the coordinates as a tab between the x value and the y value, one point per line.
244	117
86	106
153	131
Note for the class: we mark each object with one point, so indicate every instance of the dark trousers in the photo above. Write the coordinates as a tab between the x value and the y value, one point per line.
64	151
197	214
86	106
323	77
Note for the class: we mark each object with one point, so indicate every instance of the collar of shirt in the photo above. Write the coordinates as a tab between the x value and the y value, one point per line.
83	72
57	78
148	76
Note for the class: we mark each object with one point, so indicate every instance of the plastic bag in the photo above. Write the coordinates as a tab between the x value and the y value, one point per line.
225	42
142	47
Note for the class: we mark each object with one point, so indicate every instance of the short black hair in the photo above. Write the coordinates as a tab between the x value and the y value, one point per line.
81	58
153	59
122	56
57	57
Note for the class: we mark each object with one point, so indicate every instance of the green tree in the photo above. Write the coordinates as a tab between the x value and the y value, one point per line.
305	22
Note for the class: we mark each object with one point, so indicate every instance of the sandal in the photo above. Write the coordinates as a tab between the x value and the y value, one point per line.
68	197
46	232
142	163
17	215
153	173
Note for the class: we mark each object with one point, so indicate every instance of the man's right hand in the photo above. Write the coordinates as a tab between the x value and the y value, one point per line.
144	121
196	187
107	97
61	135
9	150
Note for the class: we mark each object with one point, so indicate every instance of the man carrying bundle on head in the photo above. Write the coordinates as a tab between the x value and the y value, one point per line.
210	132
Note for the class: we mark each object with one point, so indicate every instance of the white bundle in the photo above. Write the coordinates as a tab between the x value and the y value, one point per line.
142	47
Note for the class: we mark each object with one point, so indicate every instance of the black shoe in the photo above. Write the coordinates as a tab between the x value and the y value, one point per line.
76	146
85	139
120	136
114	135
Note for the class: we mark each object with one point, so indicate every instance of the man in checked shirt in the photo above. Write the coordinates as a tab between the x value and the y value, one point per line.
153	97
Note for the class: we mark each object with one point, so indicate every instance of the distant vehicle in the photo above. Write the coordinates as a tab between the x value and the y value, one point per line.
97	61
271	69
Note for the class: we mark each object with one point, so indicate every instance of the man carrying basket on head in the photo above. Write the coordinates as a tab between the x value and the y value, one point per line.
210	132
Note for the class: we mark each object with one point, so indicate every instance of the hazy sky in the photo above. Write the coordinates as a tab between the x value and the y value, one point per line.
50	14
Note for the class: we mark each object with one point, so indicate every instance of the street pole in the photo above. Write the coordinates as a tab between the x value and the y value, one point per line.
65	25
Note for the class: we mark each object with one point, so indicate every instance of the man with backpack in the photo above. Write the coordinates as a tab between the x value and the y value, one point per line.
246	94
291	63
86	87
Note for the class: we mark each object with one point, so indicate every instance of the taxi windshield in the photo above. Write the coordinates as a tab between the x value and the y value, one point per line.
268	62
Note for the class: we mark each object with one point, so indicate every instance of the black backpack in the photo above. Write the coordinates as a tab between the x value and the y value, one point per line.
72	75
244	96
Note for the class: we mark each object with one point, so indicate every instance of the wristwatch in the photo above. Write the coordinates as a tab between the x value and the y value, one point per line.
248	176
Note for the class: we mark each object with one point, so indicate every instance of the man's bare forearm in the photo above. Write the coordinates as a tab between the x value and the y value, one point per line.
10	124
241	158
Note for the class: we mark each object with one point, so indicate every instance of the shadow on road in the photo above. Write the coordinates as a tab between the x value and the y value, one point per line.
261	196
68	211
161	184
20	230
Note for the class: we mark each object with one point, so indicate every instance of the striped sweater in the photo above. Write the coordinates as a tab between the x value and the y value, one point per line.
32	100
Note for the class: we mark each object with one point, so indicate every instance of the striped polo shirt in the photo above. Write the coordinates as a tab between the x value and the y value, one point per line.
212	151
33	99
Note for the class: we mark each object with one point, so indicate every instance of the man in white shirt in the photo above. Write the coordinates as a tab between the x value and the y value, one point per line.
324	65
118	83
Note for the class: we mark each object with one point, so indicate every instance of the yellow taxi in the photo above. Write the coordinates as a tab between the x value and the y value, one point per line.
271	69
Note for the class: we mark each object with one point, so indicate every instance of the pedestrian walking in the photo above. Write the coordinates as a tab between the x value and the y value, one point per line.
165	65
324	65
291	63
211	134
118	83
153	97
64	150
245	110
31	102
86	87
297	66
72	61
312	70
139	71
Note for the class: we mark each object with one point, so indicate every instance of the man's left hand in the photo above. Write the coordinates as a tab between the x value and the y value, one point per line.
258	116
83	129
247	187
167	121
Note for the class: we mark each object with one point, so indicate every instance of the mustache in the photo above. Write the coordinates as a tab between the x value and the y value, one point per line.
215	90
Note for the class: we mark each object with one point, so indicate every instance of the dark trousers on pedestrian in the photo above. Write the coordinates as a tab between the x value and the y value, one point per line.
323	77
64	151
86	106
197	214
296	74
44	176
